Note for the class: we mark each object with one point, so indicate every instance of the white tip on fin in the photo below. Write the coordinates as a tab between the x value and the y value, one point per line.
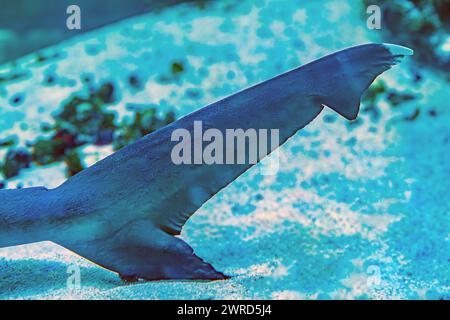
397	50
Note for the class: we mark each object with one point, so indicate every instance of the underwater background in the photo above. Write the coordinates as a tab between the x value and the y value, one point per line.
358	210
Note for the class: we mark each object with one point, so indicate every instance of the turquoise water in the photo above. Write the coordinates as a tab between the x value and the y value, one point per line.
358	210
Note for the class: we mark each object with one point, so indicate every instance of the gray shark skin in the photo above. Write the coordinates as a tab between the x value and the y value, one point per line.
124	212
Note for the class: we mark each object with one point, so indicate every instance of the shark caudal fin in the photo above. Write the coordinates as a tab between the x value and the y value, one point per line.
123	212
346	74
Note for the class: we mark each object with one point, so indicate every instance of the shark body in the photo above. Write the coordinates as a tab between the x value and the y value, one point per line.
125	212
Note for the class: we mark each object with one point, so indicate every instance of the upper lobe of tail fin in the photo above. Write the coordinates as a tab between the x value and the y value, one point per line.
350	72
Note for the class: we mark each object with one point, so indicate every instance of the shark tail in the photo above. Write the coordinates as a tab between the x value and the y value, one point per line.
148	249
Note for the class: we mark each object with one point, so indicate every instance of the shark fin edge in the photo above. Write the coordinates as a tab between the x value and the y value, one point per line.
176	261
143	253
353	70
